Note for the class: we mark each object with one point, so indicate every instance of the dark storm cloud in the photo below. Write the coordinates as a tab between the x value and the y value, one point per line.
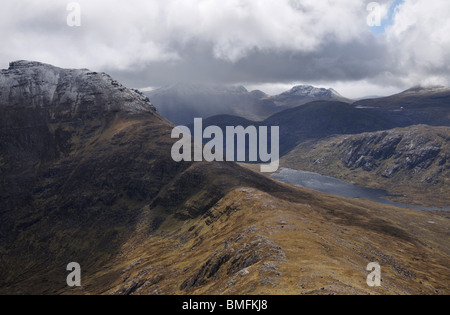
351	61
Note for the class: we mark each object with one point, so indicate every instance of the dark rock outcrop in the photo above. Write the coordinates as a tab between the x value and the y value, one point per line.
408	152
239	253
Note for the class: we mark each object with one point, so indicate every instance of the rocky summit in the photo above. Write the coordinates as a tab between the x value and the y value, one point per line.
66	93
86	176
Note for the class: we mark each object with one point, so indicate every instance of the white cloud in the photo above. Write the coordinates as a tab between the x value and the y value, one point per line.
235	28
118	35
143	30
420	41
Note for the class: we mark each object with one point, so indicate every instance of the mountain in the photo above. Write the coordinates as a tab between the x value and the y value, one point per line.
317	120
415	97
303	94
84	163
322	119
422	105
65	94
411	163
315	132
314	120
181	103
86	176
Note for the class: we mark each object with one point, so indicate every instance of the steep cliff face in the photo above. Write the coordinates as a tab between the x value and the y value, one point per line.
410	151
413	161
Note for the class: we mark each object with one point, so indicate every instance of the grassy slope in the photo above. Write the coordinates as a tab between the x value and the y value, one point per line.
311	244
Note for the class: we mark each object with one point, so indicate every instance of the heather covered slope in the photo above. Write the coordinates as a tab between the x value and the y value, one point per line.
86	176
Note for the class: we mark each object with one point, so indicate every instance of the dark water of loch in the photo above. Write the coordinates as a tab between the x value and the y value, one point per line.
335	186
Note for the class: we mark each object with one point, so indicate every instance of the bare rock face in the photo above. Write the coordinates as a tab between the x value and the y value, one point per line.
238	254
42	107
66	94
409	162
408	151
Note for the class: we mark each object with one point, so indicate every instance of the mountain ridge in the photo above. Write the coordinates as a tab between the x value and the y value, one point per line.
303	94
45	86
181	103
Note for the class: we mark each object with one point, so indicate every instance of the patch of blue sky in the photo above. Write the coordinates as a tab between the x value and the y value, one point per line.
387	20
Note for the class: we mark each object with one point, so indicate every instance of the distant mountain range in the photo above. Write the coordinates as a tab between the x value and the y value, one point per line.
314	120
321	119
181	103
303	94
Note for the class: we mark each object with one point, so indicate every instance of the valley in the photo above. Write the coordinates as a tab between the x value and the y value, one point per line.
398	143
335	186
411	162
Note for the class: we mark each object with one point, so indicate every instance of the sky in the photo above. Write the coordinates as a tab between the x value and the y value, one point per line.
266	44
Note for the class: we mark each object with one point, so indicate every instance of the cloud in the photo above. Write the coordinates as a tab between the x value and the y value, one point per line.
233	29
236	28
420	43
154	42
